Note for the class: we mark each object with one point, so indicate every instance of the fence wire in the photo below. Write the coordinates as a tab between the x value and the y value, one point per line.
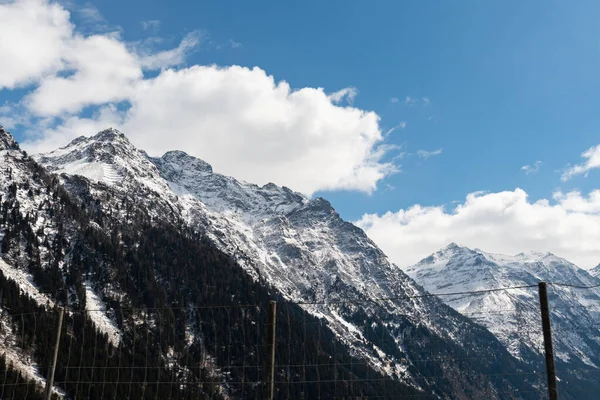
220	352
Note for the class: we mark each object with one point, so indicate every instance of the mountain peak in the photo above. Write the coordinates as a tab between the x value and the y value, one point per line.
453	249
452	246
7	141
103	141
502	312
107	156
104	147
109	134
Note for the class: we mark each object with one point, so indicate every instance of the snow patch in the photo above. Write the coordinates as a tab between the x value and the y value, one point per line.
97	312
25	282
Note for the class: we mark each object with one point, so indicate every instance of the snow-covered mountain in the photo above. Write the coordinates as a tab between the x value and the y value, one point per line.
514	315
303	249
595	271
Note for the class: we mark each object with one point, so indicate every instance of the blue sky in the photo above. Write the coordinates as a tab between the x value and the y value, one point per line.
494	85
509	83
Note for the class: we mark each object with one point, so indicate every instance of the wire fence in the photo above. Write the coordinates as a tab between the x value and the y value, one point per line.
319	351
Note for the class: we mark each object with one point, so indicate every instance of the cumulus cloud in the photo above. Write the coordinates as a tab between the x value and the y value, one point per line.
425	154
531	169
592	161
504	222
103	70
242	120
34	36
574	201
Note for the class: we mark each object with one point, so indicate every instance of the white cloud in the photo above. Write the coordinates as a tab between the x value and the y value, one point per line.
426	101
426	154
71	70
401	125
348	94
10	117
103	70
574	201
532	169
409	100
172	57
90	13
250	126
89	18
151	25
504	222
44	137
240	119
32	41
592	156
394	100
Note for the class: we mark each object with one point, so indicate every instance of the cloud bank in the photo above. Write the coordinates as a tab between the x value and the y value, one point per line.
505	222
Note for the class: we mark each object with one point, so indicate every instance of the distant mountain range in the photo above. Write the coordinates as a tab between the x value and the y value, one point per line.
514	315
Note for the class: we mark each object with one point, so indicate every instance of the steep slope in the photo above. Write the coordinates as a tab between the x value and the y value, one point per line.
595	271
513	315
96	247
304	250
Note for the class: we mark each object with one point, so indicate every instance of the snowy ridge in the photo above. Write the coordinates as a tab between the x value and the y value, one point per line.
595	271
301	246
107	157
513	315
298	245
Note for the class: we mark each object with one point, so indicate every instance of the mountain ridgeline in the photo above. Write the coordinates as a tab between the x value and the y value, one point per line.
513	316
166	269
